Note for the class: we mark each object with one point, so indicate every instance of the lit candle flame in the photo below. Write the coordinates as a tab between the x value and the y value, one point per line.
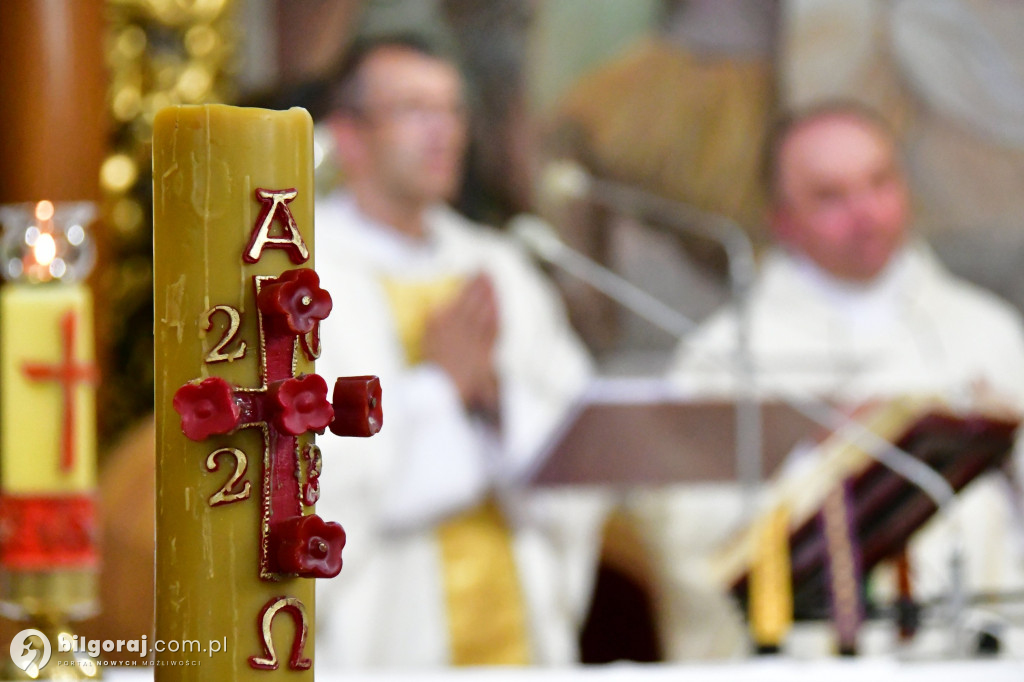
45	249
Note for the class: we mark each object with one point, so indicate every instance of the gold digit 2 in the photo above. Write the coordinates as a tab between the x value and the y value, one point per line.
217	353
226	494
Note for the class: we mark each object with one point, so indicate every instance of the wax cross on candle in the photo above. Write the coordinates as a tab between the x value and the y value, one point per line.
284	406
67	372
290	307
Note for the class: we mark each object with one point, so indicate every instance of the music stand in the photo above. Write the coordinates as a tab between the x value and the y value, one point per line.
647	432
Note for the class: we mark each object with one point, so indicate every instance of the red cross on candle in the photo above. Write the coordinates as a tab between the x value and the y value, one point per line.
68	372
291	307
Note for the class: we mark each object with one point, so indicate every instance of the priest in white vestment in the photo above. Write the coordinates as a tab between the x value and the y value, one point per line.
450	558
853	308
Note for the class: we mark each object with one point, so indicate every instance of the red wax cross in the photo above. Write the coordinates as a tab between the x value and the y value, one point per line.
67	372
287	406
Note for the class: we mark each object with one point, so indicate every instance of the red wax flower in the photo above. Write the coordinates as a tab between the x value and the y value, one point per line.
357	407
206	408
310	547
297	298
300	404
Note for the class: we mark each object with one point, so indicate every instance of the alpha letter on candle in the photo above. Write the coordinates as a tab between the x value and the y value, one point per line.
275	206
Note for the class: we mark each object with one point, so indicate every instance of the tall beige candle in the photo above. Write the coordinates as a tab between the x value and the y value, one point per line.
237	540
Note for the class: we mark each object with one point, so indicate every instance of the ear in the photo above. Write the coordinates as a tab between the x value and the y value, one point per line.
780	224
349	146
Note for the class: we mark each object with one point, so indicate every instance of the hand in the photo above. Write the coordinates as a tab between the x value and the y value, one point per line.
460	338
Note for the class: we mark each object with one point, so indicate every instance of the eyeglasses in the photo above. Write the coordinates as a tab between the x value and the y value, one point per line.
415	112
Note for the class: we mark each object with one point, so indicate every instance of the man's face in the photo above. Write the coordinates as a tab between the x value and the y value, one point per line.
413	127
841	197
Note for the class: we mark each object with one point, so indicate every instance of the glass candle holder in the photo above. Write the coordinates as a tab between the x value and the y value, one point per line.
46	241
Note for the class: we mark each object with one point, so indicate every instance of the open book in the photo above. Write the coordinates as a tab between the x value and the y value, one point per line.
885	508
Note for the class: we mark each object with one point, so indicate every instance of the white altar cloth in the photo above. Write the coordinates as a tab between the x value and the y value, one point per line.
756	670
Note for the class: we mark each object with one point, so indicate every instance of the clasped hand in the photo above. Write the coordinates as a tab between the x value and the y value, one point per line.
460	339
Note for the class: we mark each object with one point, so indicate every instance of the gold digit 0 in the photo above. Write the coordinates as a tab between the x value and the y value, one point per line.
226	495
217	353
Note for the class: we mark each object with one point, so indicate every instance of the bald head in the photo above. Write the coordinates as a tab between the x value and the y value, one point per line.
838	193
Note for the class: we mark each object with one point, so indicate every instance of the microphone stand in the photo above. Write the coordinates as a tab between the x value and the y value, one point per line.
739	252
630	296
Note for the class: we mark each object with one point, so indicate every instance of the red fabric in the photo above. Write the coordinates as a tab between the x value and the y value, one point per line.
41	533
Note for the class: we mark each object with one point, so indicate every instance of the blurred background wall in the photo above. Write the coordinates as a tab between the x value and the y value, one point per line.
671	96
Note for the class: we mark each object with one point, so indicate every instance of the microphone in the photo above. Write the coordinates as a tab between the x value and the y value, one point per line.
564	180
540	238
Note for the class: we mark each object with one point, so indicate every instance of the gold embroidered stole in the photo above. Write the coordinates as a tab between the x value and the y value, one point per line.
483	599
486	614
771	582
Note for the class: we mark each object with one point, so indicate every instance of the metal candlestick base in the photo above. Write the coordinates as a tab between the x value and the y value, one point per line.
45	603
62	665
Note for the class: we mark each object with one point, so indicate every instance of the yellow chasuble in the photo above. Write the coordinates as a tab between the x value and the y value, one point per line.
484	602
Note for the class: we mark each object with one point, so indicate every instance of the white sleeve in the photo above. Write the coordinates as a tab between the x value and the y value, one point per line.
440	464
429	457
543	368
542	365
